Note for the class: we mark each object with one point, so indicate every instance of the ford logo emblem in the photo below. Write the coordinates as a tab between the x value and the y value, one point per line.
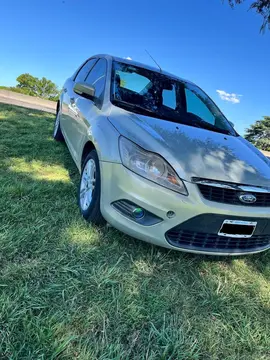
247	198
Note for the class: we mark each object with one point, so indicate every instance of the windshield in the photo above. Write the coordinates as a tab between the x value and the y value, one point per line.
154	94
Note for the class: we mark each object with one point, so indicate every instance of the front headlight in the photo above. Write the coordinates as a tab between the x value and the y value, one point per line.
149	165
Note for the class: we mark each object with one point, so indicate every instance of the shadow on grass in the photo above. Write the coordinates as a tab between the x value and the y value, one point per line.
71	291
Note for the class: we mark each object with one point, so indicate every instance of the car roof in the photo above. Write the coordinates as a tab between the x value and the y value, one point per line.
145	66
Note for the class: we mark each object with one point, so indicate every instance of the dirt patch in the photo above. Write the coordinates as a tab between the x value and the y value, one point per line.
10	97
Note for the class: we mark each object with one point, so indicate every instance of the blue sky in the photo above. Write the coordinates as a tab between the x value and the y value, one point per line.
203	41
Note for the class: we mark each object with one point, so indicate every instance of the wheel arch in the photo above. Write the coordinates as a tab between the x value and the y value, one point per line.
89	146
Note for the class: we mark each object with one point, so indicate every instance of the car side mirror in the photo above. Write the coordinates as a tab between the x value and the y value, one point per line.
84	90
232	124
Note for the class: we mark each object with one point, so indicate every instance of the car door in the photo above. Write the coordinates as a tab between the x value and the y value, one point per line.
70	110
89	110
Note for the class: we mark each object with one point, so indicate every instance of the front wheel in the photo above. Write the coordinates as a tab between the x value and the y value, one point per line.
57	132
90	189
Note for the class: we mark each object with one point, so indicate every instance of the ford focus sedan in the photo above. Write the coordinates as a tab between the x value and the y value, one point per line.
160	162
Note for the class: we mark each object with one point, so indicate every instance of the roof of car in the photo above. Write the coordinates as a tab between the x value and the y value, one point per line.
145	66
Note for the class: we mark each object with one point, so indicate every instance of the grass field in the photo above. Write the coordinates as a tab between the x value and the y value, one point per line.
71	291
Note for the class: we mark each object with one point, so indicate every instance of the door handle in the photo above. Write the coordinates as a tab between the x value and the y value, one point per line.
72	101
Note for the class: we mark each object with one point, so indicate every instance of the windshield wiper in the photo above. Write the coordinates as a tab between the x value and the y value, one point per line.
205	125
134	107
142	109
184	118
191	119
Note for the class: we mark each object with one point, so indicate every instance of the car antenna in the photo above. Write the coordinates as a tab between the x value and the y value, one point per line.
147	52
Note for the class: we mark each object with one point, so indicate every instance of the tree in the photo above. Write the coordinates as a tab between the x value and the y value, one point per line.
34	86
259	133
262	7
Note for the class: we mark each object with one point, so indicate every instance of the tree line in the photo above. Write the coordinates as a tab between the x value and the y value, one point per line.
259	133
31	85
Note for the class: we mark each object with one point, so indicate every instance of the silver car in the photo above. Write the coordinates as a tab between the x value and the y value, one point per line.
160	162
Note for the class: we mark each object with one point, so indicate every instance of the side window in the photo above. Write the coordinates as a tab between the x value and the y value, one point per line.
97	77
80	77
196	106
169	98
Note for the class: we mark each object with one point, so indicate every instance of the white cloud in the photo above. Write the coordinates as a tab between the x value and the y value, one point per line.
234	98
128	58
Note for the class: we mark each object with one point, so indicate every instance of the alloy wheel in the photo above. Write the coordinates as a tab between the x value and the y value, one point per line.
87	185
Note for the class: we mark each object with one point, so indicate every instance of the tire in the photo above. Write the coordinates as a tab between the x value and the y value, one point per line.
90	189
57	132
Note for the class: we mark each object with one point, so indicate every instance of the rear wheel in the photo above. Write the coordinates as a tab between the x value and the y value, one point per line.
57	133
90	189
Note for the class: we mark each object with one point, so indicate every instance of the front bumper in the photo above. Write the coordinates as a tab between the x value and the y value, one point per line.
119	183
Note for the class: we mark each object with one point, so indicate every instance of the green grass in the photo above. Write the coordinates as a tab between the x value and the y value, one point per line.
71	291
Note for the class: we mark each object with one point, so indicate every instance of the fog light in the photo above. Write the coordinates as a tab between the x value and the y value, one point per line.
138	213
135	213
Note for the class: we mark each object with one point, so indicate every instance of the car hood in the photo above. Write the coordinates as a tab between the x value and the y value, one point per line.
195	152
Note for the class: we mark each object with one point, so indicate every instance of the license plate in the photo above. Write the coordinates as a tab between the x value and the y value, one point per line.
237	228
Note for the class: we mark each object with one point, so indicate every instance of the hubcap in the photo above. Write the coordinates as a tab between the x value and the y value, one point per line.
87	185
56	124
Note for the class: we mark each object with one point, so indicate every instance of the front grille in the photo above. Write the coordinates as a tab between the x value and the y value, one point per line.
213	242
230	196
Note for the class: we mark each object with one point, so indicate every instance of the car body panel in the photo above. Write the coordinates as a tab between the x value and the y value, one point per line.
90	125
69	114
83	121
